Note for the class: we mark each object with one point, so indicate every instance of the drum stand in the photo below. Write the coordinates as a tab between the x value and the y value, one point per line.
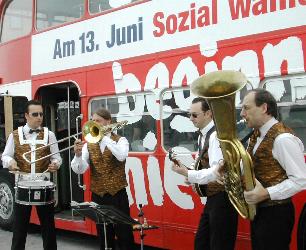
102	214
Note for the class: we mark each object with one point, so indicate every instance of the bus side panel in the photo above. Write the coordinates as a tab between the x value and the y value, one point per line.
15	63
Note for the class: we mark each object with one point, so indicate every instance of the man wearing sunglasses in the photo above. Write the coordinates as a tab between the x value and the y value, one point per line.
217	228
18	143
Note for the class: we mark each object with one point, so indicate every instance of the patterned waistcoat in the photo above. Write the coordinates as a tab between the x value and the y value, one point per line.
24	166
211	188
107	174
267	169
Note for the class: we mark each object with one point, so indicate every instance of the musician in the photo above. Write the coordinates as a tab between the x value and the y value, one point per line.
217	228
17	144
106	160
280	172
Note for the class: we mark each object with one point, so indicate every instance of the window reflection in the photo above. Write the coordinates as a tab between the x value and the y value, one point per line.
141	129
97	6
290	93
55	12
287	90
178	130
17	20
173	136
295	118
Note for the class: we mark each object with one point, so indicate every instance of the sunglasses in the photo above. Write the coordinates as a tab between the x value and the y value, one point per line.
36	114
194	115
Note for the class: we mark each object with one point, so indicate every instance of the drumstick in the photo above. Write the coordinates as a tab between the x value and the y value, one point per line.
17	172
45	171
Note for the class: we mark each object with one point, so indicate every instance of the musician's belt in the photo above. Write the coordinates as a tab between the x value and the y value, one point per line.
269	203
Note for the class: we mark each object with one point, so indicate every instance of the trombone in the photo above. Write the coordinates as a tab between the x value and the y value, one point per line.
92	133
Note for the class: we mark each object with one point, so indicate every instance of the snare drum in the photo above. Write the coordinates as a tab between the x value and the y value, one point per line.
34	192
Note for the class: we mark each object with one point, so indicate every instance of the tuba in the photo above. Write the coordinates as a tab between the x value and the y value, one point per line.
93	132
219	88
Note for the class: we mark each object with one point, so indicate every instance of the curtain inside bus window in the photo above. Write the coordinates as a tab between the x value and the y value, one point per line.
17	19
55	12
290	94
97	6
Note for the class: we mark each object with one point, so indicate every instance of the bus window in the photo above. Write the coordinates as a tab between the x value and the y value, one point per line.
290	94
178	130
97	6
17	19
141	128
295	118
55	12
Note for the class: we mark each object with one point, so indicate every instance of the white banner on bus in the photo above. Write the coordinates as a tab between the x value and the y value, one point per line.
157	26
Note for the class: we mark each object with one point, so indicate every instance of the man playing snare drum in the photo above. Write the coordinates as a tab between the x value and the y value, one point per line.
18	143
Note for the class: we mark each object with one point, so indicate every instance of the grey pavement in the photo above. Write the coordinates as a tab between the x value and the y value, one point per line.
65	240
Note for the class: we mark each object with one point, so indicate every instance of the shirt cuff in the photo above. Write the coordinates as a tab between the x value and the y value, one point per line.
273	193
106	140
202	176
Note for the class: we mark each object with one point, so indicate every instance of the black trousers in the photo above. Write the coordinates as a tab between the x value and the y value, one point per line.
21	223
217	228
301	232
272	226
123	232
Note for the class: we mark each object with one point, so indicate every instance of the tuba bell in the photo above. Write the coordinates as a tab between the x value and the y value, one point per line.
219	88
94	132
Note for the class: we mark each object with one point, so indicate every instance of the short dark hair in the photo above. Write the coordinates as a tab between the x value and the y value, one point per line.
263	96
31	102
104	113
204	103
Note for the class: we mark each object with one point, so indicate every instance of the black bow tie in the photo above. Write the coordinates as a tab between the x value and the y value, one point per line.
34	130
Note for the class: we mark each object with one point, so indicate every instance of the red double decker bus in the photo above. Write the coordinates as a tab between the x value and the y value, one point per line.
137	58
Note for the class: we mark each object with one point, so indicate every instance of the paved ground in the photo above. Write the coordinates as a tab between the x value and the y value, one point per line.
65	240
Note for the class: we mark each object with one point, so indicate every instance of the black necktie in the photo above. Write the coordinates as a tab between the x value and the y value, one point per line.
34	130
200	141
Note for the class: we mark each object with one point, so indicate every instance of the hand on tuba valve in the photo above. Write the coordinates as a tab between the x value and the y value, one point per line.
219	88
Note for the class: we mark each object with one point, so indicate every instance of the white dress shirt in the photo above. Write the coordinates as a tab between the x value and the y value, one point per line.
205	176
288	151
119	149
9	151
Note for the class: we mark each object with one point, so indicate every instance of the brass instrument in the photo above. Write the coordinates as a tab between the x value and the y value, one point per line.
219	88
92	132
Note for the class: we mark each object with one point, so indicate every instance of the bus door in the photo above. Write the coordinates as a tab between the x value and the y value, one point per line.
11	117
61	104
